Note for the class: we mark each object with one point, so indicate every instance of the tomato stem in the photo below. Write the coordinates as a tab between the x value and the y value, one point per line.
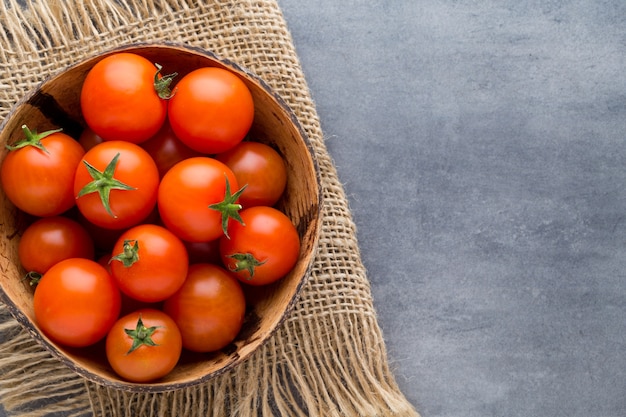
245	261
129	255
162	84
141	335
32	138
103	182
33	278
228	207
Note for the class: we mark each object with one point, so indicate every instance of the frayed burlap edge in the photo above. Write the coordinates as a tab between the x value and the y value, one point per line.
329	357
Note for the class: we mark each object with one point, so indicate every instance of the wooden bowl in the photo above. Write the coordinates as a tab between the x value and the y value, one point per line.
55	103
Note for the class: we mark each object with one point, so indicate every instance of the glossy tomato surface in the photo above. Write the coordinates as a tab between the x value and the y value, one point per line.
41	181
262	251
144	345
149	263
119	100
209	308
212	110
52	239
135	168
76	302
186	194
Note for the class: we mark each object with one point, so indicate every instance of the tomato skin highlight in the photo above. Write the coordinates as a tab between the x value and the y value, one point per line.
145	363
209	308
119	101
270	237
260	168
135	168
185	194
161	267
76	302
212	110
52	239
39	182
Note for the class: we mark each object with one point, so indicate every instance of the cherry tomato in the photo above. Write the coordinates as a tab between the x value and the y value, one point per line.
144	345
209	308
261	168
166	149
76	302
122	98
212	110
37	173
196	199
120	189
149	263
262	251
52	239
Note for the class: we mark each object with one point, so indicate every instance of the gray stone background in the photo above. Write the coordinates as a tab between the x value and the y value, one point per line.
482	147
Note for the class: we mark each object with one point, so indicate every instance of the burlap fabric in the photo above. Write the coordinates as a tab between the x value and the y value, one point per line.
329	357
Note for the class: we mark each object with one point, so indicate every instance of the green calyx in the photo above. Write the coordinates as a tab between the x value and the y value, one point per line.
162	84
141	335
103	182
32	138
245	262
228	207
33	278
129	255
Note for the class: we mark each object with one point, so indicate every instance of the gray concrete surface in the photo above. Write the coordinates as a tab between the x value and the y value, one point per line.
482	146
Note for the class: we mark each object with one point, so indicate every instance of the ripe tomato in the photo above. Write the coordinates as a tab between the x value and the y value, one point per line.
37	174
166	149
195	200
52	239
212	110
209	308
149	263
76	302
120	98
262	251
121	189
144	345
261	168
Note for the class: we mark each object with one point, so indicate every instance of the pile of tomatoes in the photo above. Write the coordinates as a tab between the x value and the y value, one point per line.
147	228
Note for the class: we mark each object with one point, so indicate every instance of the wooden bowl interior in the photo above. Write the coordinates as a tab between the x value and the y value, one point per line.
56	104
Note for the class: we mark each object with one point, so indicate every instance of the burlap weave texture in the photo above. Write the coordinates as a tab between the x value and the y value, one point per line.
329	357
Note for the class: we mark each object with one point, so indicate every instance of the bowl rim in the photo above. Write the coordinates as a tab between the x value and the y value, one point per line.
154	387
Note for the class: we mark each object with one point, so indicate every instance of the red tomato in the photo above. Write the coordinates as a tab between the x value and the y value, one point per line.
209	308
149	263
38	173
262	251
261	168
189	198
76	302
129	180
212	110
166	149
144	345
52	239
120	98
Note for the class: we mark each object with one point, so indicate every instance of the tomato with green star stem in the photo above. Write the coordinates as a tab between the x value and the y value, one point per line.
149	263
198	199
144	345
264	250
37	173
116	185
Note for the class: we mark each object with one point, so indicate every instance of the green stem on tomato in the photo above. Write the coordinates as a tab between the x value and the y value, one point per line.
162	84
129	255
32	138
103	182
245	261
228	207
141	335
